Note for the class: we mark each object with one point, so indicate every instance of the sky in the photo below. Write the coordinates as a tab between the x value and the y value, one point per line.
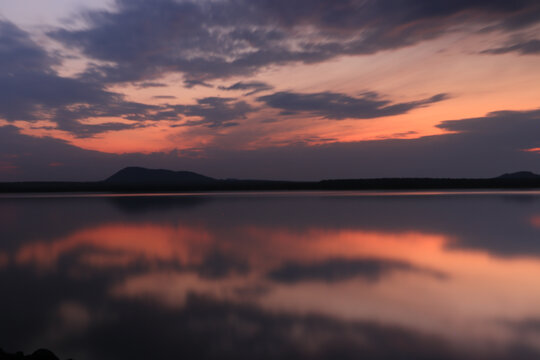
269	89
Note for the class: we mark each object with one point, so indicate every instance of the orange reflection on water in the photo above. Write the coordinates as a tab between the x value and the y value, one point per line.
121	244
317	243
173	288
535	221
479	290
478	293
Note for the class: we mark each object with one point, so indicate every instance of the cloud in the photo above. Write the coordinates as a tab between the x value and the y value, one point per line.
335	270
32	90
85	130
150	84
31	95
164	97
29	85
219	265
190	83
40	96
206	40
499	130
67	118
253	87
530	47
526	326
19	53
338	106
215	111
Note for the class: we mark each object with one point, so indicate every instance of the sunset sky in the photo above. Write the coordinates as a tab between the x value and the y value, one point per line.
274	89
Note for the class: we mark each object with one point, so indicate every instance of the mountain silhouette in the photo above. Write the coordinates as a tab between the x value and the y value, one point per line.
143	176
520	175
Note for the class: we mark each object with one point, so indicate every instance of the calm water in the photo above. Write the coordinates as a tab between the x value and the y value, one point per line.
272	276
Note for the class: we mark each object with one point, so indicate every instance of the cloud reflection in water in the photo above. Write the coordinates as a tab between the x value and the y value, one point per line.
238	277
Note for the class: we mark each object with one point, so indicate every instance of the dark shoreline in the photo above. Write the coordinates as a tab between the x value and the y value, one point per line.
262	185
41	354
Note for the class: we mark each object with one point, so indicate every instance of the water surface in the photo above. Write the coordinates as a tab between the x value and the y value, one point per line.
272	276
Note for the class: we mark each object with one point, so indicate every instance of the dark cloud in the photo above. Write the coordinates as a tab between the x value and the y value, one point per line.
212	112
386	15
67	118
19	53
31	90
150	84
215	111
217	39
219	265
164	97
500	130
192	83
525	327
530	47
334	270
337	106
29	86
33	95
253	87
85	130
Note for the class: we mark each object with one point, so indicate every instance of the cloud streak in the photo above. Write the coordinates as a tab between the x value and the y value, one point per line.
530	47
252	87
337	106
336	270
215	112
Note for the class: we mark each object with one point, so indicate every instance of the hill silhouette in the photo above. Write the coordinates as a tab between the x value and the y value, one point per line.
138	180
140	175
519	175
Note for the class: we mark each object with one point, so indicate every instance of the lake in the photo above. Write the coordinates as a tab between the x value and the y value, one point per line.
306	275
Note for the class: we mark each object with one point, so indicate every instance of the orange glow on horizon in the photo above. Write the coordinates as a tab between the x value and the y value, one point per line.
408	74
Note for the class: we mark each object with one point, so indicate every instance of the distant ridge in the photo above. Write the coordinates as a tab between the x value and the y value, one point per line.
139	175
520	175
140	180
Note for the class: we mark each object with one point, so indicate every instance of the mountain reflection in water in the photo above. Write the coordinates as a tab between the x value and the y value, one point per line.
318	276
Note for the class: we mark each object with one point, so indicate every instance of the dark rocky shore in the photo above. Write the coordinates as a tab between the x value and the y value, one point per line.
41	354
